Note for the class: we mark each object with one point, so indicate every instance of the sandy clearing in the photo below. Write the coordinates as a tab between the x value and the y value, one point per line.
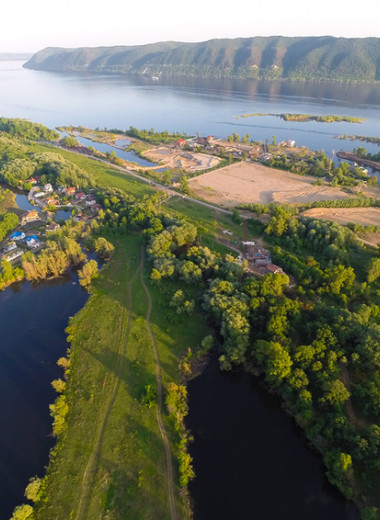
362	216
174	158
245	182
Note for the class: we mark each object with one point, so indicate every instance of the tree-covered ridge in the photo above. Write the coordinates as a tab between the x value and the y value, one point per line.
27	129
275	57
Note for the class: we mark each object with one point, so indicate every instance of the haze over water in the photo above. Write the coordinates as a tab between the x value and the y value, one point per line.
190	105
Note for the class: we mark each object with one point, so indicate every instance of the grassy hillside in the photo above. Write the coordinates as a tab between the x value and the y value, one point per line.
275	57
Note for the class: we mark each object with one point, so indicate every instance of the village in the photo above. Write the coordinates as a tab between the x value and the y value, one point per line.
36	224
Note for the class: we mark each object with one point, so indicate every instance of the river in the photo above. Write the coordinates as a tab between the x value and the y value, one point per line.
250	459
191	105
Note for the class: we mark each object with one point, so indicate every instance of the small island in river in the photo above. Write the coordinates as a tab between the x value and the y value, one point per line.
303	118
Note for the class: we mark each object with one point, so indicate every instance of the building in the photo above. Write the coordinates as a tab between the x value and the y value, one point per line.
181	143
274	269
51	201
13	255
32	180
48	188
10	246
80	196
53	226
17	235
32	241
70	191
31	216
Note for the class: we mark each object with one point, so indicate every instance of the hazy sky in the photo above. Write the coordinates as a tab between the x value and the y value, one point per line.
30	25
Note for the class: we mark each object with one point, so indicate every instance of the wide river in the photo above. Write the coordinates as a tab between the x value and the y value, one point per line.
250	459
190	105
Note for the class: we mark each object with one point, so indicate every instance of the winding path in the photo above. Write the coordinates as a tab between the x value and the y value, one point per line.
103	415
164	435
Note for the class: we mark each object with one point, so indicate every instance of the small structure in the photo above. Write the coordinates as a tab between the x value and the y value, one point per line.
9	247
70	191
17	235
39	194
51	201
16	253
227	232
32	180
48	188
80	196
53	226
248	243
90	202
181	143
31	216
274	269
32	241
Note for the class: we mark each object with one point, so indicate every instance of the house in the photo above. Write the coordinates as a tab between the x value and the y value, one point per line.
17	235
39	194
32	180
90	202
31	216
181	143
70	191
10	246
274	269
210	139
48	188
80	196
51	201
53	226
32	241
16	253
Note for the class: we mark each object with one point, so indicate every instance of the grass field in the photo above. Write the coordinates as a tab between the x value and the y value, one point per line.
110	463
105	175
211	224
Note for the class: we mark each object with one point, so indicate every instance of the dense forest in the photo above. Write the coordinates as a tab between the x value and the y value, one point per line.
275	57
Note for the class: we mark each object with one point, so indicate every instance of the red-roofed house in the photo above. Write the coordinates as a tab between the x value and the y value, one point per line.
181	142
274	269
80	196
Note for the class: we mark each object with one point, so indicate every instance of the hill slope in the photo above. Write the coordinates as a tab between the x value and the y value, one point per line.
275	57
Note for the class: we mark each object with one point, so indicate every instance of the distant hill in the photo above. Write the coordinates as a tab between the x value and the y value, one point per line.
274	57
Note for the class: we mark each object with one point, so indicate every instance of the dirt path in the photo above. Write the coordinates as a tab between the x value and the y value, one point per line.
349	408
104	413
164	435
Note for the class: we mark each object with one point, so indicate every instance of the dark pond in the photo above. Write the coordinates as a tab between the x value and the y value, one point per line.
250	459
62	214
32	323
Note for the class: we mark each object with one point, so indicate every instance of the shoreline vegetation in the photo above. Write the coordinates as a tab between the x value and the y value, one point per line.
303	118
363	138
310	329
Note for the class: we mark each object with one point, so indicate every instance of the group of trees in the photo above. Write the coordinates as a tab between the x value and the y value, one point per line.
27	130
153	137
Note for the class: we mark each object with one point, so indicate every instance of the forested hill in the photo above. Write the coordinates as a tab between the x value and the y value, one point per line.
275	57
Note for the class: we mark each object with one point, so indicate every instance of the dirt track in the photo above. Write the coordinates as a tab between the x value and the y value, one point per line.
362	216
251	182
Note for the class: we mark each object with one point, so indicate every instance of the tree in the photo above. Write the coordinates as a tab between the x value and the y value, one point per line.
373	272
184	185
32	491
88	273
104	248
336	392
23	512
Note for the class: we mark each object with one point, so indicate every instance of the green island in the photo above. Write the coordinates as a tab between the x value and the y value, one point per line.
303	118
365	139
176	284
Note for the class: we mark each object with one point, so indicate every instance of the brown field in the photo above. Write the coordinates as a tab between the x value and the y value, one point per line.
245	182
170	157
362	216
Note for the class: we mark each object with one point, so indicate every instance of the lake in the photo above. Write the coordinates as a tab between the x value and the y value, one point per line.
32	323
190	105
250	459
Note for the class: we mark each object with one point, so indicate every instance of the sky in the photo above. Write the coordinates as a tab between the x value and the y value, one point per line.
31	25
